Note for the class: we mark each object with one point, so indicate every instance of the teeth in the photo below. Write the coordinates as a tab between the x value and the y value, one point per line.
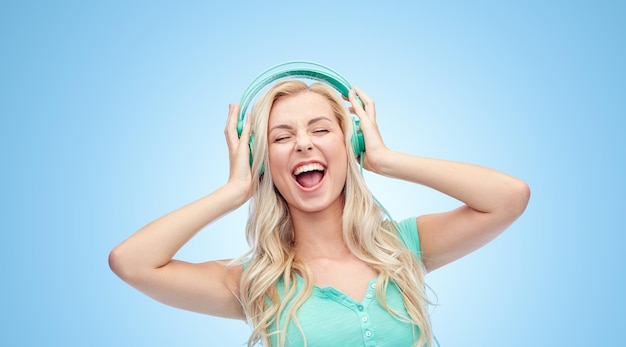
307	168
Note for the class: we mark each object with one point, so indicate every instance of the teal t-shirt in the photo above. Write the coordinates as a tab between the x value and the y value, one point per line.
330	318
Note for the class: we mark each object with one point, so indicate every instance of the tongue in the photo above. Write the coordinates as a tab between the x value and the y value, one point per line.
309	179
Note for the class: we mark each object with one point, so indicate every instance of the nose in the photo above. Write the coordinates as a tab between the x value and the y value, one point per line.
303	143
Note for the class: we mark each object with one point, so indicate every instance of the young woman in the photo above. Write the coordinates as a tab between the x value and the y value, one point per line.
325	267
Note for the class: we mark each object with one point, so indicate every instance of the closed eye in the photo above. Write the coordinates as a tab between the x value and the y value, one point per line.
281	138
320	131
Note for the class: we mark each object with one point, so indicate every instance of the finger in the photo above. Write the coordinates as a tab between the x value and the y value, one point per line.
356	108
352	97
231	124
245	132
243	147
368	103
229	120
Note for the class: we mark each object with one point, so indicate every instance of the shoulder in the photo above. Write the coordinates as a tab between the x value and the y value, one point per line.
408	233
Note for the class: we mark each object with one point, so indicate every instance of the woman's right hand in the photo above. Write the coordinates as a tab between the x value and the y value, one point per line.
240	175
145	259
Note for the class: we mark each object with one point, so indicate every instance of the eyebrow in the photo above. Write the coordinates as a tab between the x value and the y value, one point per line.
289	127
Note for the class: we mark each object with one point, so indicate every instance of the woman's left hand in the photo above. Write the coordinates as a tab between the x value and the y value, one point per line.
375	149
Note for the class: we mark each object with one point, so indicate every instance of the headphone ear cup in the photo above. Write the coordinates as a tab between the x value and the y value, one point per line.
251	146
240	122
358	143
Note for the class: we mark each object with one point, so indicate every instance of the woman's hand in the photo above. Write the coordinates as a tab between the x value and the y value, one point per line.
240	175
145	259
375	149
492	199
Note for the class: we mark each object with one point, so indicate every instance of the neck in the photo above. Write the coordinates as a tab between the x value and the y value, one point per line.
319	234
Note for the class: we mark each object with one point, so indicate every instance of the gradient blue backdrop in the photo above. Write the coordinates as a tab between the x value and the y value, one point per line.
113	114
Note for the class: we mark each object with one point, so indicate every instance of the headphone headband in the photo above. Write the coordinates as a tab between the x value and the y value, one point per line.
296	69
299	69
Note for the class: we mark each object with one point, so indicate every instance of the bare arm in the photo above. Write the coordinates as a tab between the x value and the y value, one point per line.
144	260
492	199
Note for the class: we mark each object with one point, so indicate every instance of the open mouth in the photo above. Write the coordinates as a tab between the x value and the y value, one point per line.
309	175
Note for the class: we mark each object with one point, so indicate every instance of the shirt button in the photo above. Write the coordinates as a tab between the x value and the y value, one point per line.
369	296
368	333
364	319
360	307
373	285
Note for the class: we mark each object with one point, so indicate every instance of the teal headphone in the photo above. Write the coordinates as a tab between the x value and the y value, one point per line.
300	69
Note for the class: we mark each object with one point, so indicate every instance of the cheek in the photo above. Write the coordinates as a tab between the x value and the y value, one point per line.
336	153
276	157
278	164
335	147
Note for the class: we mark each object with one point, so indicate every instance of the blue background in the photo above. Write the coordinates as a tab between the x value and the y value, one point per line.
113	114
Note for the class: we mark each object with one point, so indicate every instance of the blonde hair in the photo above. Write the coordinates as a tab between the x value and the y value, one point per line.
270	235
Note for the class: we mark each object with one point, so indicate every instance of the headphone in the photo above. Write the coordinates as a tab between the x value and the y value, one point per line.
300	69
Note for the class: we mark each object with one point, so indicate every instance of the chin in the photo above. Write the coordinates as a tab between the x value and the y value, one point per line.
318	206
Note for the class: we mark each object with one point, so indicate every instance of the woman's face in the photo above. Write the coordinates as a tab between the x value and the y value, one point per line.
307	153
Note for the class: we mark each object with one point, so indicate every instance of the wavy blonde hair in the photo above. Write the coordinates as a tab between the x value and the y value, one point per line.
270	234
